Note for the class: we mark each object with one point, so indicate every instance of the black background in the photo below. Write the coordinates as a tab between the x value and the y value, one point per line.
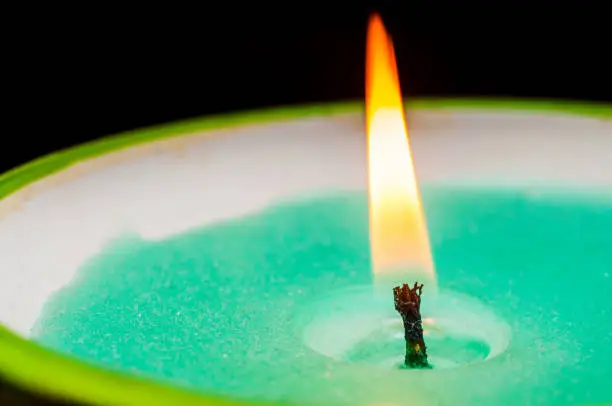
84	70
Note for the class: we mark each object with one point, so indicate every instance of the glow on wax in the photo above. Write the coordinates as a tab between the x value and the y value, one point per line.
398	232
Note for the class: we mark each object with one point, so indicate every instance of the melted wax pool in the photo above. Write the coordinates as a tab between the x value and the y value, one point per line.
229	308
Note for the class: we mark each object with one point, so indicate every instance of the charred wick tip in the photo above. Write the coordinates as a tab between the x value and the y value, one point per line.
408	305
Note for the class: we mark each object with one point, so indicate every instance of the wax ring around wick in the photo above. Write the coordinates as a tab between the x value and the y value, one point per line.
356	326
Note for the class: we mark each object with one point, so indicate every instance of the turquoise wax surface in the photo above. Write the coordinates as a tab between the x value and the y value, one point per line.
218	309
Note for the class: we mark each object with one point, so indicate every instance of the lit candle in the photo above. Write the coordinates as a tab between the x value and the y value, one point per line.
237	262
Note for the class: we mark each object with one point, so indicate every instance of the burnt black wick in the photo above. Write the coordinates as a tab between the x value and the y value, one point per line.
408	305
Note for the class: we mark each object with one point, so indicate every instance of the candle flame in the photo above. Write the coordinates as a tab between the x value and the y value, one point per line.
398	233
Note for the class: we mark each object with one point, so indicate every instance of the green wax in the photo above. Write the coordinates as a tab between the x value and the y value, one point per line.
219	309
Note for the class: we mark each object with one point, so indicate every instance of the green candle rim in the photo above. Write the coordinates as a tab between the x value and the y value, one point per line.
42	370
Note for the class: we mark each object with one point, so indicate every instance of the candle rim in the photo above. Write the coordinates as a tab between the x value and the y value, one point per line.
33	367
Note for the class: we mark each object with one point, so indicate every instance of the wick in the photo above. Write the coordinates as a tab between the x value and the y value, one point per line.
408	304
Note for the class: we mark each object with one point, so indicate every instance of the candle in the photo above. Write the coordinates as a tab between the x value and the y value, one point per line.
275	306
235	261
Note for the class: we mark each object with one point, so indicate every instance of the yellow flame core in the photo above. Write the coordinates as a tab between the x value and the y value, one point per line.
398	233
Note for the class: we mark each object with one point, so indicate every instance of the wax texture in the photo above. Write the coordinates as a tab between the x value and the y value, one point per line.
219	309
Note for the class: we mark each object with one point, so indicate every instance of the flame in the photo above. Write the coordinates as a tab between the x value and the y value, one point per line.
398	233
